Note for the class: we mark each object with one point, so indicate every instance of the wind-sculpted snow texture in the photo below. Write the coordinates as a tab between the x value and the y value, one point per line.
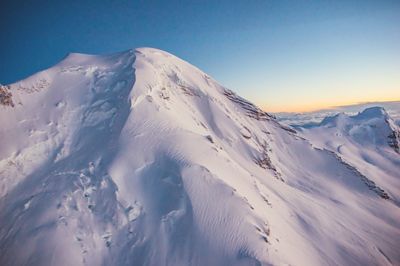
139	158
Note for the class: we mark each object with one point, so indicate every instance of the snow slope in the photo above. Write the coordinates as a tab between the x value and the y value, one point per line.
369	140
139	158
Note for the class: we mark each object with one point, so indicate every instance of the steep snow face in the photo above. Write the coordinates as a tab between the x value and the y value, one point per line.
139	158
369	140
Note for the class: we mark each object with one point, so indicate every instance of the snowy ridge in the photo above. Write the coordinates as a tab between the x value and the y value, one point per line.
139	158
372	126
369	141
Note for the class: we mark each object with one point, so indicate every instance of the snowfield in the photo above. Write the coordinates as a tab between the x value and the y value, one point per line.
139	158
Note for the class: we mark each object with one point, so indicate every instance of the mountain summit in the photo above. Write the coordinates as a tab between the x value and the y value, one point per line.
371	127
139	158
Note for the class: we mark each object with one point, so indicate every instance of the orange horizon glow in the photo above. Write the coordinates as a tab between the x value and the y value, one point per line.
311	107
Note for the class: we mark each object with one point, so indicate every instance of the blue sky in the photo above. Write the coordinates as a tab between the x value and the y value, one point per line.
283	55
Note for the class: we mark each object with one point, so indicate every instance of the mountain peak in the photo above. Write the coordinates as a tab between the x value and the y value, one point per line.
341	119
139	157
372	112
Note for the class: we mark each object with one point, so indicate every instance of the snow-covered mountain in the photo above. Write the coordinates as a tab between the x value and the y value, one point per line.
369	140
301	119
139	158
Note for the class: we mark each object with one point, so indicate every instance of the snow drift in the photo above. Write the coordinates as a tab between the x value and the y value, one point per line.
139	158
